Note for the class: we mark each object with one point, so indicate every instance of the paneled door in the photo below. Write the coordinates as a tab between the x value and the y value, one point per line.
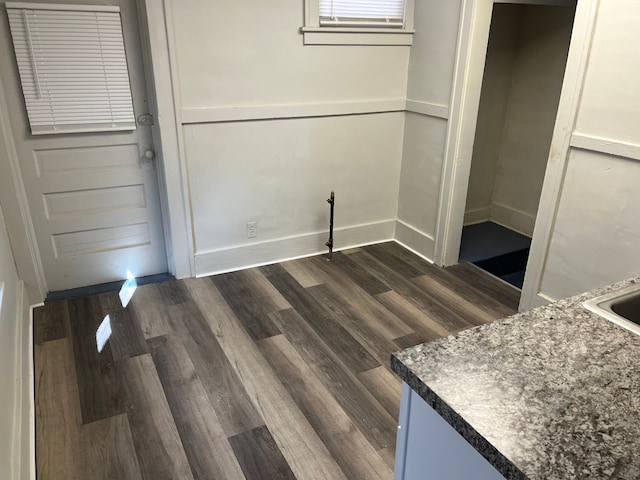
93	197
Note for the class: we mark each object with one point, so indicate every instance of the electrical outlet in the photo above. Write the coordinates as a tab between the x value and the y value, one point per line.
252	229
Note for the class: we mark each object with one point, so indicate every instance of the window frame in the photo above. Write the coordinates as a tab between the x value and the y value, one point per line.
314	34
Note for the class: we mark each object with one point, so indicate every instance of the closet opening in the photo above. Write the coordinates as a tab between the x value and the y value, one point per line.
523	74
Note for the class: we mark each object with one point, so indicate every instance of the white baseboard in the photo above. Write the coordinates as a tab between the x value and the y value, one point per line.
477	215
288	248
504	215
417	241
23	441
538	300
521	222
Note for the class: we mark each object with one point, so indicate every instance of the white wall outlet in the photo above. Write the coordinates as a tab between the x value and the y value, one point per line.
252	229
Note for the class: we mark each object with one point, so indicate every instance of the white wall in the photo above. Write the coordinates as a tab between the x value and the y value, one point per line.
270	126
429	88
521	129
279	173
596	235
433	52
494	99
533	104
597	232
420	181
251	53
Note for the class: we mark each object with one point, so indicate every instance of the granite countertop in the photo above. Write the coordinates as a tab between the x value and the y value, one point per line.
552	393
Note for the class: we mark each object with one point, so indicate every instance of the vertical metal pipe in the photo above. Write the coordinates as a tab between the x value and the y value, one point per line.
331	201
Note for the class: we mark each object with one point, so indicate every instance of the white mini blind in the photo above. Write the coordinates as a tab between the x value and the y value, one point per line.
365	13
73	67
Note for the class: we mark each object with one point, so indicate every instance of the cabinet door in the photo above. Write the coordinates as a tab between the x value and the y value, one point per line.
428	448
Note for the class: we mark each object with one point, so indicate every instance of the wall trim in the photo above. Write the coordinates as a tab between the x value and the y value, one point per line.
429	109
13	198
608	146
415	240
289	248
512	218
572	87
281	111
473	37
477	215
321	36
162	88
18	395
303	110
23	441
29	417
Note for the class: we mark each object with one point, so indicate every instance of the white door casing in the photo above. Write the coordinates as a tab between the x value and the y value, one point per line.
475	22
93	198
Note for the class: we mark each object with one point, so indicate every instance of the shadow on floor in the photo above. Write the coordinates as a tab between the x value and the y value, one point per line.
497	250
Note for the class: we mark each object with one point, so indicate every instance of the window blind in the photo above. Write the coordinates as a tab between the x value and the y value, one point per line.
73	67
365	13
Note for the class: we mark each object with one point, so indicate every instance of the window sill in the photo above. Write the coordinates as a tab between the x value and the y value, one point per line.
356	36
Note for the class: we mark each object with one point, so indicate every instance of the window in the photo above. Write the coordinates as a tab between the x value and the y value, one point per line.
371	13
358	22
73	67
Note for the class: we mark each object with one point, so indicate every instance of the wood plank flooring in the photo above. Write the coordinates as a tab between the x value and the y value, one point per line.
278	372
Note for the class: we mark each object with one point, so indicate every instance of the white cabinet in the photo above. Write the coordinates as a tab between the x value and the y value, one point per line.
428	448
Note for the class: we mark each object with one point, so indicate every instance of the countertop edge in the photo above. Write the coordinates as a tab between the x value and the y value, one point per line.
563	308
459	424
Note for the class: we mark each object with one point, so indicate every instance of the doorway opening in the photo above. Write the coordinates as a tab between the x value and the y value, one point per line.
523	75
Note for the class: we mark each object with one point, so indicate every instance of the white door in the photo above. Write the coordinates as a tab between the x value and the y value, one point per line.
93	197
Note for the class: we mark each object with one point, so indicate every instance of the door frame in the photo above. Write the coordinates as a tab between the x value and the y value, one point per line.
473	37
17	216
162	92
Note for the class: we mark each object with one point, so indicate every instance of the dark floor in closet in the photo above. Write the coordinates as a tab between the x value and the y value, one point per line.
497	250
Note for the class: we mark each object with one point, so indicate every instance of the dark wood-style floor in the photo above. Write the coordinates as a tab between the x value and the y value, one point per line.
274	372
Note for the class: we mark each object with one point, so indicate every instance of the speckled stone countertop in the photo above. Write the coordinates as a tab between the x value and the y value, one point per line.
553	393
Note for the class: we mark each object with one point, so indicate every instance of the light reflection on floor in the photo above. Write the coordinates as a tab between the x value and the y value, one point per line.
127	290
103	333
126	293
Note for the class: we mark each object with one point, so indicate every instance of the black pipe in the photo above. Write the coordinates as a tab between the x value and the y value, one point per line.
331	201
